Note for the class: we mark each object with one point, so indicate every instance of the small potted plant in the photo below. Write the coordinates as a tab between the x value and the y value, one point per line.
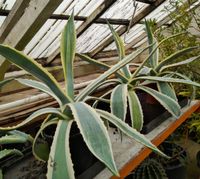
175	167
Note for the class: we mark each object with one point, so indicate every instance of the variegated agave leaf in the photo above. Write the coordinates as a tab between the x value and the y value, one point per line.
174	56
151	54
68	45
119	97
37	114
39	85
136	112
35	69
100	85
90	125
184	62
168	103
121	51
93	98
90	60
101	65
167	79
167	89
153	60
91	87
94	105
60	164
119	101
183	77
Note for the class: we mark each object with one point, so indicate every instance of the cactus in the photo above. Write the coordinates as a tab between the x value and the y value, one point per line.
149	169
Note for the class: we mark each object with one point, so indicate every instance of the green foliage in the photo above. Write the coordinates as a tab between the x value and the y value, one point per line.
121	51
135	110
67	55
119	101
194	126
187	20
153	60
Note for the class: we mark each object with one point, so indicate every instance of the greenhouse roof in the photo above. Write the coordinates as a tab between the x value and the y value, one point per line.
127	17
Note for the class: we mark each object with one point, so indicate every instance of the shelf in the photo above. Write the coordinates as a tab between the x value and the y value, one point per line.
129	154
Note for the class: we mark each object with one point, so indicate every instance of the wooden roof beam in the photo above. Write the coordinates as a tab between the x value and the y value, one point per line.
13	17
28	23
4	12
146	1
106	4
111	53
123	29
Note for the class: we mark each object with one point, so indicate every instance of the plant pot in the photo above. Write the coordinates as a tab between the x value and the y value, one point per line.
176	171
175	167
82	158
154	113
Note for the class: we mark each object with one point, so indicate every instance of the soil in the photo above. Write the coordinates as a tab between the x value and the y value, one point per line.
29	168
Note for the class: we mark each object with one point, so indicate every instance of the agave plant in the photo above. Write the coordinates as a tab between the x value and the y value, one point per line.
71	109
159	70
150	70
12	137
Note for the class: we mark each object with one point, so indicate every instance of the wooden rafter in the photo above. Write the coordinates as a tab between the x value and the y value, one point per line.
146	1
79	18
106	4
111	53
123	29
27	25
13	17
